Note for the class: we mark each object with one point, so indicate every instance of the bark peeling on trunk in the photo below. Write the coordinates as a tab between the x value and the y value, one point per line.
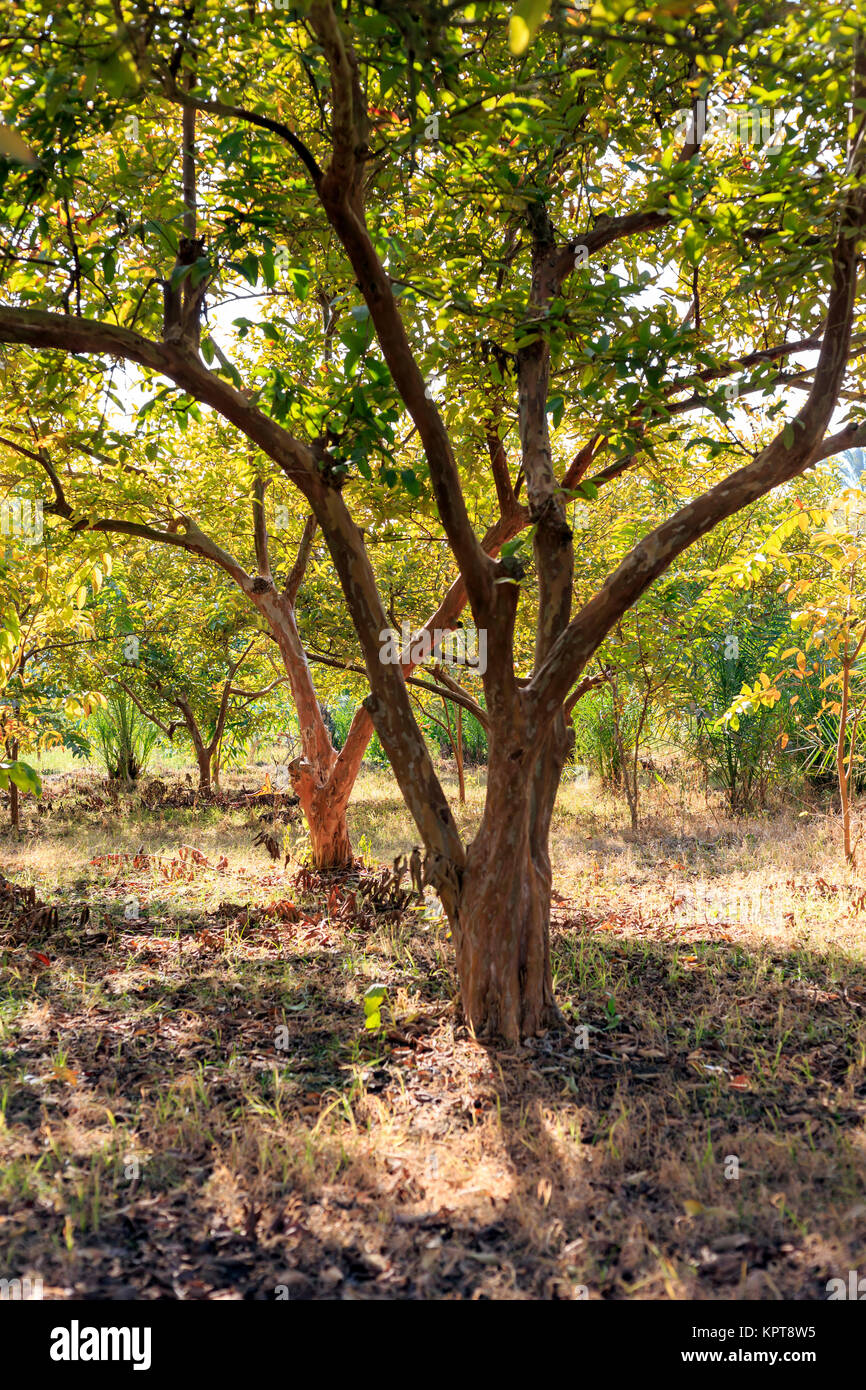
501	919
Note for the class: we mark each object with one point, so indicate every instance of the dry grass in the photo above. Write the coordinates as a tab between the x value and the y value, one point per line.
162	1137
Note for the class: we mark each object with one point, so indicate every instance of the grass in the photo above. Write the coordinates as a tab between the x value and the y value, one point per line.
191	1107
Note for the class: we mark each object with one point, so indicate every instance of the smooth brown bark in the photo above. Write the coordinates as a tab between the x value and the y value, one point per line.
325	813
203	759
501	926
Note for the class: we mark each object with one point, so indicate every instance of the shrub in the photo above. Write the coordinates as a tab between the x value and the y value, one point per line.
125	738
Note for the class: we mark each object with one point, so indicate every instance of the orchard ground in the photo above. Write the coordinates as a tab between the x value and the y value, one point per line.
191	1106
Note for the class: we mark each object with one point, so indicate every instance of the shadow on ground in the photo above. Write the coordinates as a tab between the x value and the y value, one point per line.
203	1115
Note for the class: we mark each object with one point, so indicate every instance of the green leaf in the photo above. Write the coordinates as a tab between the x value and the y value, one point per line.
410	482
199	270
693	244
511	548
269	270
119	74
249	268
179	274
588	491
555	409
300	282
525	19
23	775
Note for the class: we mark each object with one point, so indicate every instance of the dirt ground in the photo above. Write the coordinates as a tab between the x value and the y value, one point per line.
191	1105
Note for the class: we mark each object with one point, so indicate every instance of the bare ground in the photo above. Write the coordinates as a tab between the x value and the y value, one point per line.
191	1106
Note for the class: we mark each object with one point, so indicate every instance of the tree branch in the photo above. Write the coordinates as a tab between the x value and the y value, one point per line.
295	579
167	729
260	528
788	455
588	683
339	194
172	93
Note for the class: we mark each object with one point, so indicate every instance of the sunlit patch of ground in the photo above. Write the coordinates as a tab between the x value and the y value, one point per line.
193	1108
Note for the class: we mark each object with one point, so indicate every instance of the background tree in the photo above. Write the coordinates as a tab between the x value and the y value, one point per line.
179	645
45	596
828	599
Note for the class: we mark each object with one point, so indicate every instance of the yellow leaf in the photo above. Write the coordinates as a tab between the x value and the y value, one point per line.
525	19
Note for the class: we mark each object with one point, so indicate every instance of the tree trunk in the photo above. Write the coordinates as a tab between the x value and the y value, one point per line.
203	758
502	926
323	803
14	802
843	771
203	751
503	953
321	778
330	845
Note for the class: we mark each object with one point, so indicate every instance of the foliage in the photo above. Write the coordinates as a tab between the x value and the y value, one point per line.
739	752
595	733
125	738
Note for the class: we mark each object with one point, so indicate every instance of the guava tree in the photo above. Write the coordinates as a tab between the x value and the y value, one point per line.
180	646
178	482
820	553
526	216
45	596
